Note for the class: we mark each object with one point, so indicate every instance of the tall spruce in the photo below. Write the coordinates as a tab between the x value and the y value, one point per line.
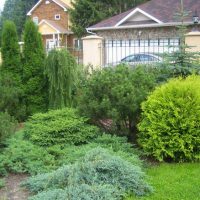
10	73
33	69
61	71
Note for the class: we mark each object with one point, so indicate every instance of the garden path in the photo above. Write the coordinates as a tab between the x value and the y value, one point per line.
12	189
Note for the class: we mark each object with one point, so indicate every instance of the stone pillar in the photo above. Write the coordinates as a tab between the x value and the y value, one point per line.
192	39
93	51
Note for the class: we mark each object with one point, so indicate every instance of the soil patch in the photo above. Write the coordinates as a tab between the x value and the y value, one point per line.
12	189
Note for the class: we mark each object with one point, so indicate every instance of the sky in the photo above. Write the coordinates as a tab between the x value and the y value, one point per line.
1	4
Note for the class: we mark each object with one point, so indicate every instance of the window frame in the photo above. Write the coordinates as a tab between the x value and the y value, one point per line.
34	20
57	15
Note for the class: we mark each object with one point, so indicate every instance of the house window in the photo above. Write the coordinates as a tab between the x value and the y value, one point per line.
78	44
36	20
57	17
47	2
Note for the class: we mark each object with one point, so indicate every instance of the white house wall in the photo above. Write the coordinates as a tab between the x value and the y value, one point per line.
138	17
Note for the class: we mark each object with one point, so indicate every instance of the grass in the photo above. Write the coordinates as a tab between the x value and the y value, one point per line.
174	182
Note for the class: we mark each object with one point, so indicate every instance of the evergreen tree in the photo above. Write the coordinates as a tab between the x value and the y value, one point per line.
183	60
61	70
10	73
10	49
88	12
33	68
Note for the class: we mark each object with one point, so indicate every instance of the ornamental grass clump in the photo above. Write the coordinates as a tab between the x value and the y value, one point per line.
170	124
98	175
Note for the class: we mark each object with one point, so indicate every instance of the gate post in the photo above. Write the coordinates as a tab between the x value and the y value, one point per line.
192	39
93	51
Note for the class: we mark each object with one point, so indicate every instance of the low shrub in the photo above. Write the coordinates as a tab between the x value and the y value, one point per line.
80	192
83	191
90	176
7	126
116	94
170	125
59	127
118	146
22	156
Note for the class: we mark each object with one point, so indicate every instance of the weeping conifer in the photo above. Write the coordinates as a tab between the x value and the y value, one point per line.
61	71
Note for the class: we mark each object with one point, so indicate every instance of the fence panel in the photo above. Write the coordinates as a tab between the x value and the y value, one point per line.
115	51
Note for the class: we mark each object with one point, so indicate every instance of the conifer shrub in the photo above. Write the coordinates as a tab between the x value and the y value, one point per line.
22	156
116	94
117	146
170	124
59	127
98	174
80	192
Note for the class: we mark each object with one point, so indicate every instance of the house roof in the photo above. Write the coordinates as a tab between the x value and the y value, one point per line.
55	26
62	3
159	12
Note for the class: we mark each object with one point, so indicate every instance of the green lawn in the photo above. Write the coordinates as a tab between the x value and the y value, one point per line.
174	182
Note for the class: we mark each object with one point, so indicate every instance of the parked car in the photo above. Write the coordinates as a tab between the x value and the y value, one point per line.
141	58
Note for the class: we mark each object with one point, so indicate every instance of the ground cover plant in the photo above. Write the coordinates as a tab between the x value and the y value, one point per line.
173	182
22	156
96	170
170	125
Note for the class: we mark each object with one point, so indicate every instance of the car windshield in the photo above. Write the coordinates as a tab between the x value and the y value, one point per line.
131	58
144	58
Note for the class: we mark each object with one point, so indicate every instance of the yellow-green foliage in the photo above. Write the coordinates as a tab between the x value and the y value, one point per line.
170	125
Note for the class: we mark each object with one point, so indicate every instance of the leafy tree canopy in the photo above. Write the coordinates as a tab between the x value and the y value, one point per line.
16	11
